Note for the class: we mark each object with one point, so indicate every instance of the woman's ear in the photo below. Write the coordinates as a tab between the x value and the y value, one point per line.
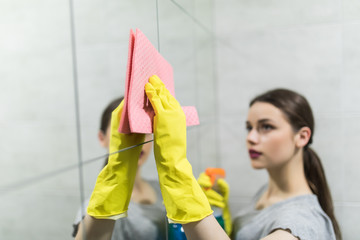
302	137
102	138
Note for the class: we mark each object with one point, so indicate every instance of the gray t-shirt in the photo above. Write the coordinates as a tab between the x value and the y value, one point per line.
144	221
302	215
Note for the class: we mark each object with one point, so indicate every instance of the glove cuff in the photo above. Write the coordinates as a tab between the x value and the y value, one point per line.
113	217
189	221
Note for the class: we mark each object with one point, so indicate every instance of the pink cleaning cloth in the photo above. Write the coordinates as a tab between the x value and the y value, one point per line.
143	62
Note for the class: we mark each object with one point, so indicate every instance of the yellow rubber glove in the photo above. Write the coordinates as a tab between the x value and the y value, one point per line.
114	184
183	198
218	198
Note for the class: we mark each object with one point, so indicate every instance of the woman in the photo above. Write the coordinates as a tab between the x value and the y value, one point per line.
297	199
146	213
295	204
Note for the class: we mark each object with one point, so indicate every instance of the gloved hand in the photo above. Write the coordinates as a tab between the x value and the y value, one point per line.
218	195
183	198
113	188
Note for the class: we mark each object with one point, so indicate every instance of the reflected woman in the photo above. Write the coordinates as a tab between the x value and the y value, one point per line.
146	215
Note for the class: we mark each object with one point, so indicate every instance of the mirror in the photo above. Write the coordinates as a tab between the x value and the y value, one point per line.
53	94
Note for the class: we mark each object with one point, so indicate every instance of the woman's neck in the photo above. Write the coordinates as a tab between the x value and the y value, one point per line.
285	181
143	192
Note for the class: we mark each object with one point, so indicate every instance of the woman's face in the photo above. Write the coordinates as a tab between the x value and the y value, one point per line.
270	139
146	149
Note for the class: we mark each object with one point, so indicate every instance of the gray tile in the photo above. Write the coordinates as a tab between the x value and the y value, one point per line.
102	71
193	149
350	159
177	45
234	16
19	208
203	11
350	81
305	59
205	78
183	6
111	22
34	28
34	149
38	93
328	143
348	215
205	136
351	10
101	79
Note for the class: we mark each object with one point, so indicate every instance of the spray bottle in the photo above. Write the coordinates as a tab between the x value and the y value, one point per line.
175	231
215	174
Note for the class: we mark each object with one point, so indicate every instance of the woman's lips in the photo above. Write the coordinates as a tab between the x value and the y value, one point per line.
254	154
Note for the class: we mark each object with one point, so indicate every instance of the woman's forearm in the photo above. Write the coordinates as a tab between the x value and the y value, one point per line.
95	229
205	229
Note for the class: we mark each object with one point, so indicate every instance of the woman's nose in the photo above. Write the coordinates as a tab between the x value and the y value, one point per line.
253	137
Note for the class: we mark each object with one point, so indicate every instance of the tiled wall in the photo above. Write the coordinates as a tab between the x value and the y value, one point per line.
311	47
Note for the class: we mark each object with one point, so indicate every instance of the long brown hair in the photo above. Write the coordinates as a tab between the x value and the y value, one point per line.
299	114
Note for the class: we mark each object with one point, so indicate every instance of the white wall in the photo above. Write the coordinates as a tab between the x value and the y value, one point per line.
310	47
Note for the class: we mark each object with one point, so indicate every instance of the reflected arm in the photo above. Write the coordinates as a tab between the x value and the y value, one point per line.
95	229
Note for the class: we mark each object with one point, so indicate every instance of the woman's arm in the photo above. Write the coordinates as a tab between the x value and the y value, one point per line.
209	229
206	229
95	229
184	200
280	235
112	192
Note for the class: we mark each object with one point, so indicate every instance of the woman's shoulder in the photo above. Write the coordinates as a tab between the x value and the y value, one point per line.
304	216
303	206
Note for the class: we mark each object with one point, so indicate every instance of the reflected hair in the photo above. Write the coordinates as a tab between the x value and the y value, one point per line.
106	117
298	112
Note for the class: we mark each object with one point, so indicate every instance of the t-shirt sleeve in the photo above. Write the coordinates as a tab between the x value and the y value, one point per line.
298	224
303	222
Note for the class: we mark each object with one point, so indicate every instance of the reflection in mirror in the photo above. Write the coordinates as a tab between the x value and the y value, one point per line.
39	152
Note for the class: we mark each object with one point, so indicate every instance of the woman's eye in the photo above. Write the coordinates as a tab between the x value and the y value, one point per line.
267	127
248	128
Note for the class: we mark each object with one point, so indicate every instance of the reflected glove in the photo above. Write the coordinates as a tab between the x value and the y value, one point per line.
183	198
114	184
218	197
